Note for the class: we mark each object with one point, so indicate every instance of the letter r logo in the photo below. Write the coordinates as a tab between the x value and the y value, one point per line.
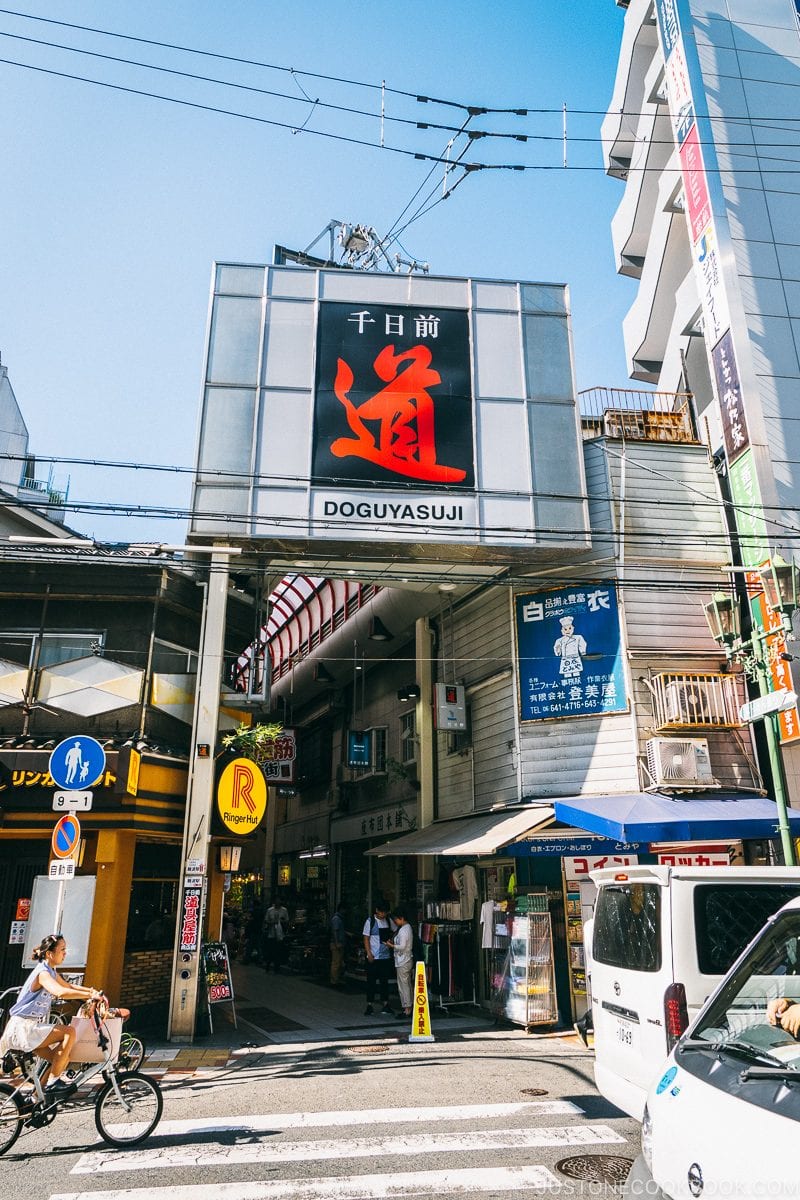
242	786
241	795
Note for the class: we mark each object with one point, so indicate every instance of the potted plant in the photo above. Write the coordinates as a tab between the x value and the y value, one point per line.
254	741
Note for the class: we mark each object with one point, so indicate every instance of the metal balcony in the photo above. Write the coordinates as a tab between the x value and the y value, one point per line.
705	701
637	415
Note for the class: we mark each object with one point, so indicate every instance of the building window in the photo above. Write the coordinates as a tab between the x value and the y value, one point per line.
408	737
171	659
57	647
379	740
314	751
154	897
459	742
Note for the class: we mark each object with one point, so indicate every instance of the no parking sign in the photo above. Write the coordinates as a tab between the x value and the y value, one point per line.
66	836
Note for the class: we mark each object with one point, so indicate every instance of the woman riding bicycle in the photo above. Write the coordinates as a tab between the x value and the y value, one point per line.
28	1027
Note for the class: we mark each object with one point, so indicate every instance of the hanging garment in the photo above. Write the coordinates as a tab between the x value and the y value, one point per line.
467	884
487	921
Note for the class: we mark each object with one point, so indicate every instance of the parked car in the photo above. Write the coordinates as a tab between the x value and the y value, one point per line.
723	1113
660	941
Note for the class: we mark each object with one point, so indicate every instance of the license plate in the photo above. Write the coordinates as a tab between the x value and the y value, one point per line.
624	1032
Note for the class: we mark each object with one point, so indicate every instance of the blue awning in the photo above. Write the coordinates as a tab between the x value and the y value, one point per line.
655	817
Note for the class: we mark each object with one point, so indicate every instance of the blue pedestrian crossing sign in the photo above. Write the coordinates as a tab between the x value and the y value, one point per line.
77	763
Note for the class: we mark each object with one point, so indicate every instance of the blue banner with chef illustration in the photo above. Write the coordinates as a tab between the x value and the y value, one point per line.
570	654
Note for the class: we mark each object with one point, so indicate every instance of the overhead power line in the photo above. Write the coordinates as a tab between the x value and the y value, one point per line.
259	91
474	109
314	103
388	118
697	499
468	107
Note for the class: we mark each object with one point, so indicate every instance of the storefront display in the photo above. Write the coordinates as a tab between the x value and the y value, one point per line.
579	898
450	957
523	969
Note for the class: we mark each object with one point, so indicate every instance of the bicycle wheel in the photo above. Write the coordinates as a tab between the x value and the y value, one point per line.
131	1053
129	1122
10	1117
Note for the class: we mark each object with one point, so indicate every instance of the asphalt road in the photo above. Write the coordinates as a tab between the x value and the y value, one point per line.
487	1114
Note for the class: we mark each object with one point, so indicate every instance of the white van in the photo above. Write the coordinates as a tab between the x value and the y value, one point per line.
723	1114
660	941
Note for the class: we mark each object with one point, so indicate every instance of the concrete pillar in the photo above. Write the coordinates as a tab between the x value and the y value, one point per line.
200	798
426	762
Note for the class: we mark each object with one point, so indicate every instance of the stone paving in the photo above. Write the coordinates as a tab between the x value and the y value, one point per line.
285	1010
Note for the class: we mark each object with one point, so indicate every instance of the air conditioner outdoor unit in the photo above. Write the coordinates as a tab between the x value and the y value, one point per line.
690	704
679	762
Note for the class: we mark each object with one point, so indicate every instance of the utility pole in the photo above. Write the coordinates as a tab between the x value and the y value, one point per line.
194	875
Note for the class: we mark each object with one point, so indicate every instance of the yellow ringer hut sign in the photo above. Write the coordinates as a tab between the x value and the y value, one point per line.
241	796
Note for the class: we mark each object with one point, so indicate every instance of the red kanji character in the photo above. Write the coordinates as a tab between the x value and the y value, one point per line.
404	440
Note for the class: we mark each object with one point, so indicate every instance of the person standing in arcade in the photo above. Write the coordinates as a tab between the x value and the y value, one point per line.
377	932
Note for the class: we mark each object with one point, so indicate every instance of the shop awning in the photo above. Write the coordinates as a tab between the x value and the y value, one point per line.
466	836
655	817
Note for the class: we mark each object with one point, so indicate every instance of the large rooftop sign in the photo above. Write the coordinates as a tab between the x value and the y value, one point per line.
346	412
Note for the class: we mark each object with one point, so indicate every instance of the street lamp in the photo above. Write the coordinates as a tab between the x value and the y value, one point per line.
779	580
722	615
229	857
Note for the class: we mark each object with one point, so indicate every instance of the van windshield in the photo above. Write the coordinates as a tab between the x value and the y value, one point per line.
626	925
760	998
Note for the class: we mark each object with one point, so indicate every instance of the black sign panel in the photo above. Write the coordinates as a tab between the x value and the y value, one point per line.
393	397
731	400
216	971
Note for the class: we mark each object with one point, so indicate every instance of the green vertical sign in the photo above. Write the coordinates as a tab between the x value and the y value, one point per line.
748	510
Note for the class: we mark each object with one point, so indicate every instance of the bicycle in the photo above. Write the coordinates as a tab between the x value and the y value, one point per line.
127	1106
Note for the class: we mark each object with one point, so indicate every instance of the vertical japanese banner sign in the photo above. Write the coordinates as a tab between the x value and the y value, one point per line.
393	398
190	919
780	675
570	657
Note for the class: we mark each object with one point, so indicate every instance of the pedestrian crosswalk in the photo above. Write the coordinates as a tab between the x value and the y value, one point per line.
489	1180
437	1140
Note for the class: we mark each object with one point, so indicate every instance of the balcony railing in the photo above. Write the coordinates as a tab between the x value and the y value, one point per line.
705	701
637	415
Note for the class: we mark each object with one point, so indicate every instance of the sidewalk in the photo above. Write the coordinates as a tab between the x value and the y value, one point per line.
290	1010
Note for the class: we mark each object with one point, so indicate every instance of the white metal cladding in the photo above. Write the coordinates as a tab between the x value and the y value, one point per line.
475	648
582	756
494	761
670	499
254	472
666	614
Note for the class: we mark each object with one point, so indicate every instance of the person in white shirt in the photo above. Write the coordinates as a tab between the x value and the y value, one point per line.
403	945
376	933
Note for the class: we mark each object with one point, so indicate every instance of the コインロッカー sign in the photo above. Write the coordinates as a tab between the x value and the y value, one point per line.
393	397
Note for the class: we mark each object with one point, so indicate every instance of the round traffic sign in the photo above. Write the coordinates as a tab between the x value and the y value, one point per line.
241	796
77	763
66	836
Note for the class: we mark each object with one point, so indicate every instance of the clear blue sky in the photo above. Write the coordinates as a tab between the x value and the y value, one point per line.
113	206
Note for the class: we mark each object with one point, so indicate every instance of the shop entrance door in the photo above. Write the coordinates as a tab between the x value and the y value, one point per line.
20	863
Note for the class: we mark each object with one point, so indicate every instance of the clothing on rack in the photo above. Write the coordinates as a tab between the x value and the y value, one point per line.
451	964
487	923
466	883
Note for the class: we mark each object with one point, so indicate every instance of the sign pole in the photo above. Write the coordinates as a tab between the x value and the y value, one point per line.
767	707
186	962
